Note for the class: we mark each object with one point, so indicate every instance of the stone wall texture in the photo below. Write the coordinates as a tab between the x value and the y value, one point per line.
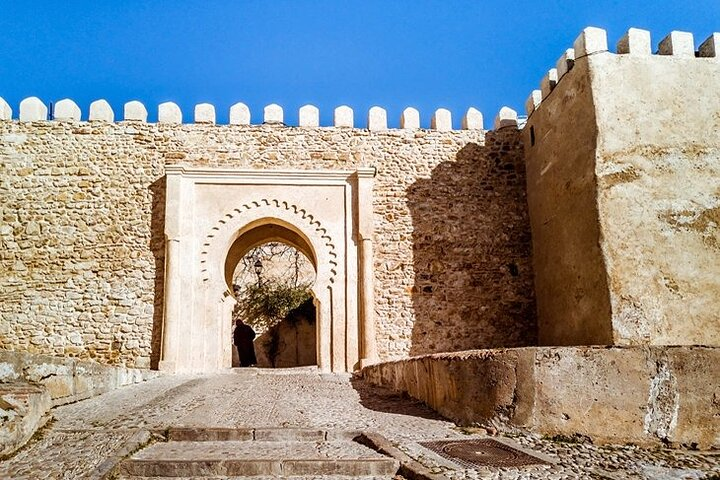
82	210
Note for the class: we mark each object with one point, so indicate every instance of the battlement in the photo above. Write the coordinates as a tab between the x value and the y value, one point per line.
33	109
636	43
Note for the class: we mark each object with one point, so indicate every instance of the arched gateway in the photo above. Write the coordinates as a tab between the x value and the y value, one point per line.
214	216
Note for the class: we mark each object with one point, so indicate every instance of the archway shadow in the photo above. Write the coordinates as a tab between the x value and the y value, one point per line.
384	400
157	247
472	252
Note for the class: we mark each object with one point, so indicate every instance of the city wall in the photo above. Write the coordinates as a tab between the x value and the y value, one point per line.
82	258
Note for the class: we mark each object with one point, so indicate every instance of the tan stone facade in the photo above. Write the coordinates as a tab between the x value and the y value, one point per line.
83	230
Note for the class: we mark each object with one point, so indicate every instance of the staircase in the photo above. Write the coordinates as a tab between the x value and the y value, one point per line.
260	453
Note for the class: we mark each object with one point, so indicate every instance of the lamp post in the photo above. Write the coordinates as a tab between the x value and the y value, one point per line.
258	271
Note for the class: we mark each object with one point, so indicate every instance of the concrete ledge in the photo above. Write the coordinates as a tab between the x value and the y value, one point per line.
642	395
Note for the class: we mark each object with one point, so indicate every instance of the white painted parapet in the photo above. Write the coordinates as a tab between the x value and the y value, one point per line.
410	119
204	113
32	109
710	47
635	42
533	101
5	110
678	44
273	113
441	120
547	84
101	111
472	120
135	111
506	117
66	109
309	116
377	119
565	63
343	117
169	112
591	40
239	114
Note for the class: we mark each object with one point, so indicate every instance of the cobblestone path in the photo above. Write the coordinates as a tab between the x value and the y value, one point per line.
85	434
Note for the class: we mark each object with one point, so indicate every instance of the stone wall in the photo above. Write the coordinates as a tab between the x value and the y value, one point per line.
643	395
623	196
81	272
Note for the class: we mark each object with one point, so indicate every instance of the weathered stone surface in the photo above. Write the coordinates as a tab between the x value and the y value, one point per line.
66	109
205	113
472	120
671	401
441	120
533	101
169	112
377	119
547	84
678	44
343	116
506	117
565	63
309	116
273	113
100	110
710	48
591	40
23	409
410	119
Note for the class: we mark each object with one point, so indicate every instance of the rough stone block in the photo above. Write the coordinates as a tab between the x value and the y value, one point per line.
410	119
273	113
66	109
473	120
678	44
5	110
239	114
441	120
169	112
32	109
377	119
135	111
506	117
343	117
533	101
710	47
635	42
565	62
23	409
547	84
205	113
100	110
289	435
309	116
591	40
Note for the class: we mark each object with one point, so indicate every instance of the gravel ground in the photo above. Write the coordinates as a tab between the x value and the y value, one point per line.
84	434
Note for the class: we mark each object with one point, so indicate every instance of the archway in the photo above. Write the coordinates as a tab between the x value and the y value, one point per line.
272	272
213	216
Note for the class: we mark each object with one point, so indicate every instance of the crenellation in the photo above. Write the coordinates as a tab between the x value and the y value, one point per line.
135	111
239	114
635	42
205	113
101	111
309	116
377	119
343	117
410	119
169	112
66	109
506	117
533	101
273	113
547	84
472	120
590	41
441	120
710	48
5	110
678	44
565	62
32	109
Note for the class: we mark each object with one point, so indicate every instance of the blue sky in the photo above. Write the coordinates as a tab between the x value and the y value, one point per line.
425	54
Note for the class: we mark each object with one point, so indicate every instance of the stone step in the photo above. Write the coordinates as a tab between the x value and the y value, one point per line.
257	458
203	434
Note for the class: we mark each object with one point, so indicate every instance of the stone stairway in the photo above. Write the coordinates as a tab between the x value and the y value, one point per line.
226	453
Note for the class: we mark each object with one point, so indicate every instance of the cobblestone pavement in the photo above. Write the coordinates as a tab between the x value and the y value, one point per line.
84	434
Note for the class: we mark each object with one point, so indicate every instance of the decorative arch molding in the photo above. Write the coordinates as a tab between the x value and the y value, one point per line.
224	232
207	212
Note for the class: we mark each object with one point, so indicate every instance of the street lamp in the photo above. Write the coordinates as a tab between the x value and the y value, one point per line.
258	270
